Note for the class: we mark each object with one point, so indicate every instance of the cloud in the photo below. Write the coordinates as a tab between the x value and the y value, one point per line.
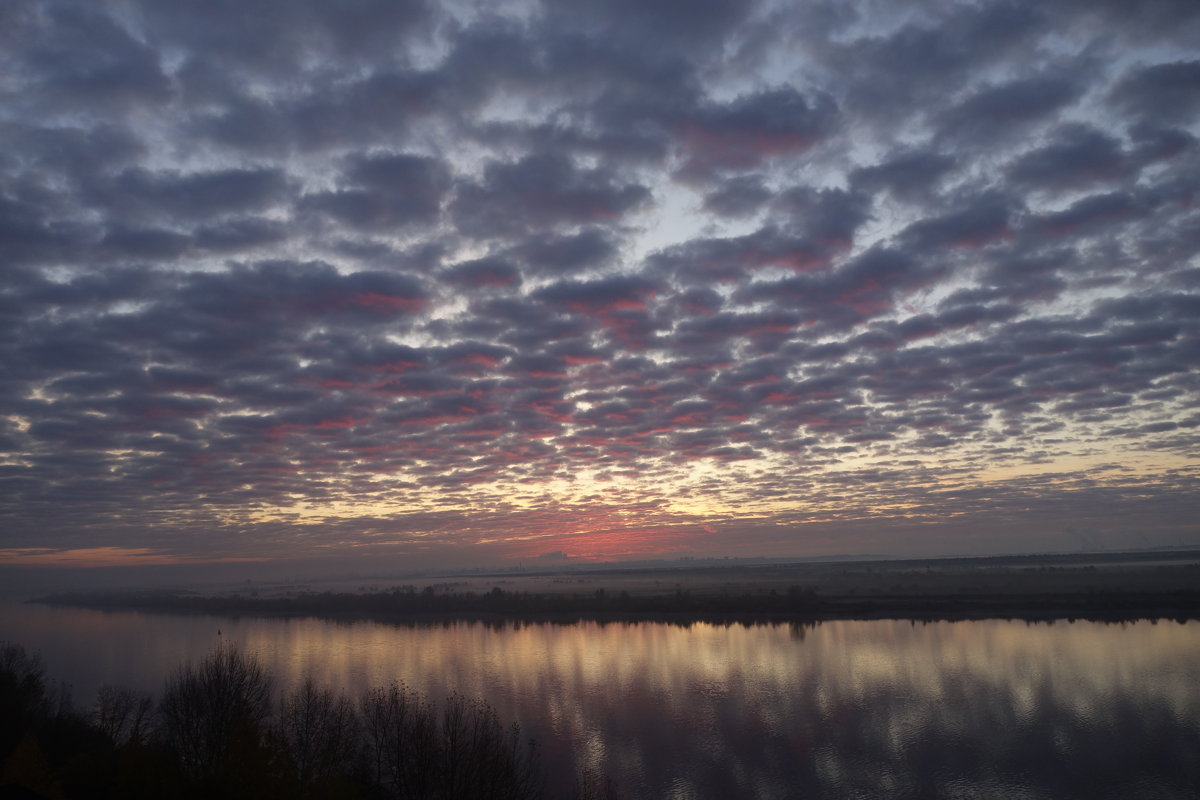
752	129
385	192
740	196
72	56
542	191
1007	108
590	248
431	279
1077	156
1160	91
909	176
141	194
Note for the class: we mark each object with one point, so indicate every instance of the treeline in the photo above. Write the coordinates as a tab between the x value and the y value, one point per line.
220	730
407	601
795	604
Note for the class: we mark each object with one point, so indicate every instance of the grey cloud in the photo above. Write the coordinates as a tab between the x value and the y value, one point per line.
740	196
752	129
1153	144
891	76
623	134
678	23
590	248
385	192
1089	212
1160	91
145	194
124	243
829	217
240	235
76	56
489	58
703	260
911	176
1003	109
249	125
603	294
540	192
862	288
71	151
377	109
979	221
483	272
27	235
279	34
1077	156
1137	20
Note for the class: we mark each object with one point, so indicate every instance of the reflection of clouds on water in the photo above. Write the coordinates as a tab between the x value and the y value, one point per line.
879	707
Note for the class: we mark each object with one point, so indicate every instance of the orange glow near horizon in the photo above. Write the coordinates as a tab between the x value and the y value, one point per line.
102	557
693	508
615	543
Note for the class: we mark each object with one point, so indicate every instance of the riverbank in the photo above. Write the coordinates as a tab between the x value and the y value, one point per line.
1106	587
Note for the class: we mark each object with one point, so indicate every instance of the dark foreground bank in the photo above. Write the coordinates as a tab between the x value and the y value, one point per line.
219	730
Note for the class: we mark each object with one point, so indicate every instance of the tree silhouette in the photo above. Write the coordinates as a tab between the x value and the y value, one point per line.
463	753
214	717
479	758
23	698
318	733
215	738
400	732
123	715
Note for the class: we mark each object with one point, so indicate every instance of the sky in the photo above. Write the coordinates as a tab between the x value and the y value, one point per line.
416	283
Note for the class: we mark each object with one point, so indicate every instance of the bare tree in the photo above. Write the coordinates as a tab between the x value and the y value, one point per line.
592	785
400	730
22	679
318	730
23	695
122	715
214	714
461	753
479	758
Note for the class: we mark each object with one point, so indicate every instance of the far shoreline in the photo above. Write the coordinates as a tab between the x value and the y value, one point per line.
1098	587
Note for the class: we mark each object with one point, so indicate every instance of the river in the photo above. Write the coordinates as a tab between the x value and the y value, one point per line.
841	709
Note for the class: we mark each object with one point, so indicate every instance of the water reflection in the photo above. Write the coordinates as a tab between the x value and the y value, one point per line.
879	708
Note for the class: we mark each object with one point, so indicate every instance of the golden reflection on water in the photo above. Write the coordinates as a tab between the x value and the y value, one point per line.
616	692
626	699
1082	660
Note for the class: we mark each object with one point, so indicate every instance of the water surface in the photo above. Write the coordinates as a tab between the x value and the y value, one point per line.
841	709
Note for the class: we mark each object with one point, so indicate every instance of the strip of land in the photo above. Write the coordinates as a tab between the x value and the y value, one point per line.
1109	587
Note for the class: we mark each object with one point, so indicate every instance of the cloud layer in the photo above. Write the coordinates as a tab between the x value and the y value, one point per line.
471	281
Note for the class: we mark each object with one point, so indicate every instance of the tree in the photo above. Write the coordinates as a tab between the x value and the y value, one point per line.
214	715
480	758
592	785
463	753
400	730
122	715
318	733
23	696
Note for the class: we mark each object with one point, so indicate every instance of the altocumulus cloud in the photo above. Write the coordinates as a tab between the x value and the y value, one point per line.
465	281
